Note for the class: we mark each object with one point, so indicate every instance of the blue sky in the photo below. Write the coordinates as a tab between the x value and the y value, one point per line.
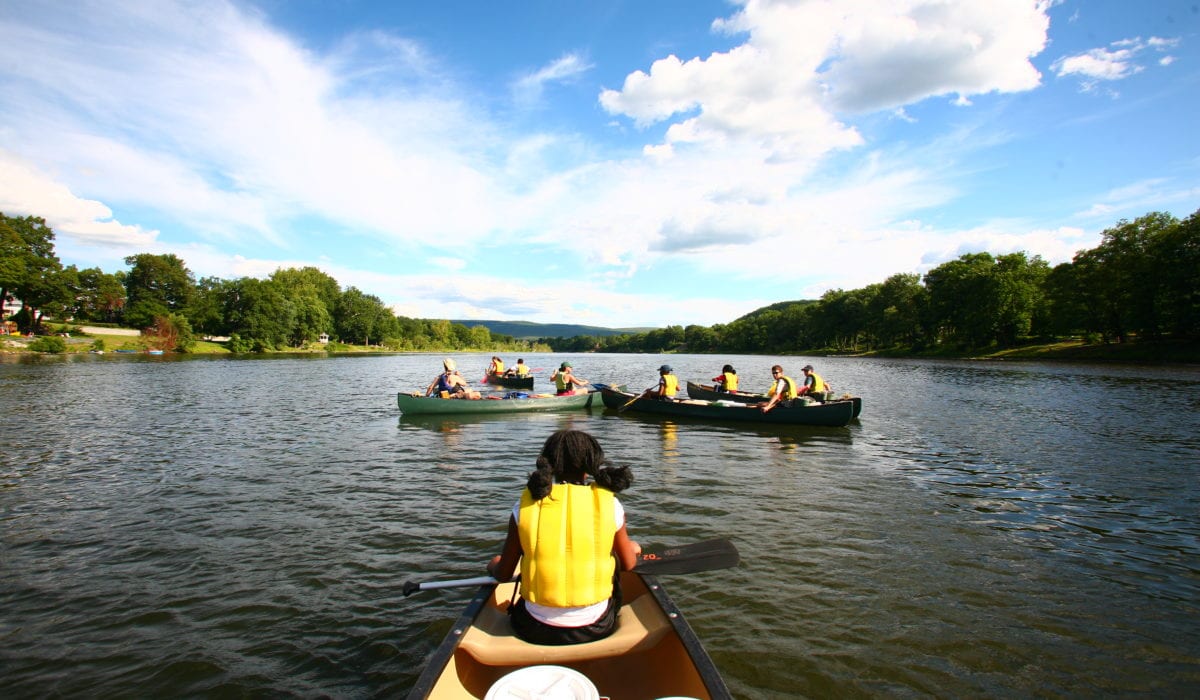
607	163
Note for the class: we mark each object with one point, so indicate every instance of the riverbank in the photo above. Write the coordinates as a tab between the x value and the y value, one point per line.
1151	352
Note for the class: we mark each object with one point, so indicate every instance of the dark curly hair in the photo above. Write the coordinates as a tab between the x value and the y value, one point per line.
570	456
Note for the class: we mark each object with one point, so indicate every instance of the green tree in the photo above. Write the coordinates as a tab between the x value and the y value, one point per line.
29	269
1066	310
314	295
206	311
839	319
1118	281
1176	262
156	285
894	311
325	287
963	299
100	296
258	313
360	317
1019	296
481	337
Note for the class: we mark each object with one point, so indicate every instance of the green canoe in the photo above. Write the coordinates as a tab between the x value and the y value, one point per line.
525	382
416	404
828	414
704	392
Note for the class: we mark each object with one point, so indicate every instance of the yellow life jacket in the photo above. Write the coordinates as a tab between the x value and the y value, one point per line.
670	385
789	392
818	383
731	380
560	381
498	367
567	541
522	370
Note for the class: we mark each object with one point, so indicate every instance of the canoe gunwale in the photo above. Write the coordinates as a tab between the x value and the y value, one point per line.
709	675
705	670
443	652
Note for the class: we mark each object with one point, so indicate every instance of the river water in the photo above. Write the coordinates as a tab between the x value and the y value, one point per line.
231	527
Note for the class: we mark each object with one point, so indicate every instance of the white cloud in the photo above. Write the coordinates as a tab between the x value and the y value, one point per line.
803	64
527	90
1118	63
26	192
234	137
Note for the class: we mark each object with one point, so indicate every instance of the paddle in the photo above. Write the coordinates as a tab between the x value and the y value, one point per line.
685	559
630	401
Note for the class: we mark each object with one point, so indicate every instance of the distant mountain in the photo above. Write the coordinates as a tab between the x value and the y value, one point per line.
525	330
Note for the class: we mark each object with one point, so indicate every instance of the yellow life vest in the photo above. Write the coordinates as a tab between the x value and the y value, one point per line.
818	383
789	392
522	370
731	380
498	367
560	381
567	541
670	385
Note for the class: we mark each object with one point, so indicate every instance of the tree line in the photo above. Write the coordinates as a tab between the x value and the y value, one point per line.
1142	282
158	294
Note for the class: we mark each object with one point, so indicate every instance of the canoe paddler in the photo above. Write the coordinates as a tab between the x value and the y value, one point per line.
727	380
814	385
783	390
565	381
450	384
668	384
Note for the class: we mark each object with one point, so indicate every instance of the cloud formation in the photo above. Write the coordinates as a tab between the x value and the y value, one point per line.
205	130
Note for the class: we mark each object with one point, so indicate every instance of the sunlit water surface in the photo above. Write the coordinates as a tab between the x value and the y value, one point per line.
210	526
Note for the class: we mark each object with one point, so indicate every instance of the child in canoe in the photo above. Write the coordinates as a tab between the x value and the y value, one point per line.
568	525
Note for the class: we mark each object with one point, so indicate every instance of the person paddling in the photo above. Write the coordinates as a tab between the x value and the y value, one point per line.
783	390
668	384
565	380
450	384
727	380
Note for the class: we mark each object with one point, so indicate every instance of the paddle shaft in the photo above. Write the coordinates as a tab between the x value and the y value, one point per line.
630	401
685	559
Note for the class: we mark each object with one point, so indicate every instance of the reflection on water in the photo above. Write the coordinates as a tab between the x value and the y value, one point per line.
203	526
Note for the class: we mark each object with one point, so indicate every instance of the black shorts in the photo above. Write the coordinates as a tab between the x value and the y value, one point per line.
537	632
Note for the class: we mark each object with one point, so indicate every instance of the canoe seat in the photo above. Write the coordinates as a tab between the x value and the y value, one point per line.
640	625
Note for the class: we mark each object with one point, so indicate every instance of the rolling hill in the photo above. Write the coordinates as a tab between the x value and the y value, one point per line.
526	330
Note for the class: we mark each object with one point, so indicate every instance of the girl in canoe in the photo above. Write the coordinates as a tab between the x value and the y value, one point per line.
727	380
568	526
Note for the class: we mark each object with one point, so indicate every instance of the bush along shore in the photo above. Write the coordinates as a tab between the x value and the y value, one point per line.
90	339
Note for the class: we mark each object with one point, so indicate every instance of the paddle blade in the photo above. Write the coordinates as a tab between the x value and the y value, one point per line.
690	558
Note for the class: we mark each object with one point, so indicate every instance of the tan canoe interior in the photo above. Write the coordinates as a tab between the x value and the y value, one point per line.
643	659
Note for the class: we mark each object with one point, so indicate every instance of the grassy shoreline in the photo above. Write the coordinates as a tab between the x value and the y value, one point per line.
1156	352
1142	352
